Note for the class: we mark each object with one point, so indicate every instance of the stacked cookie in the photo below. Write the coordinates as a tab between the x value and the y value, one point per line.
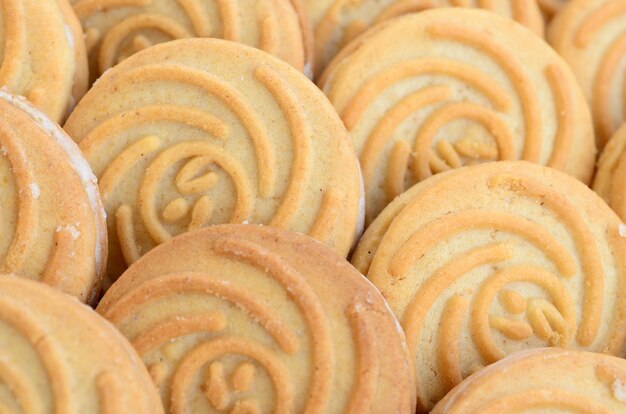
210	231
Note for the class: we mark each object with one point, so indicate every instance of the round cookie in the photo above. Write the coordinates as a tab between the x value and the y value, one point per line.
337	22
238	318
203	131
609	180
115	30
42	54
57	355
546	380
53	226
590	36
483	261
444	88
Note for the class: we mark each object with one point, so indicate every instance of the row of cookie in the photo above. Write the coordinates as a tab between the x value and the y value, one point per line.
250	319
50	61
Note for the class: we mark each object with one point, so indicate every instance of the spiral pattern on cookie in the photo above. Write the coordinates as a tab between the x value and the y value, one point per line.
483	261
221	158
214	343
338	22
116	29
543	380
448	94
590	36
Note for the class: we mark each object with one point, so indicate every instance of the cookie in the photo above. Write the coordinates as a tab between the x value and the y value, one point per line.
117	29
53	228
203	131
440	89
43	56
609	180
483	261
337	22
590	36
57	355
238	318
551	7
547	380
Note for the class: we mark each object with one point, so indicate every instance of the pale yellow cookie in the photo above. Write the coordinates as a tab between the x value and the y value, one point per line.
53	226
42	55
116	29
483	261
610	179
59	356
252	319
337	22
443	88
203	131
547	381
591	36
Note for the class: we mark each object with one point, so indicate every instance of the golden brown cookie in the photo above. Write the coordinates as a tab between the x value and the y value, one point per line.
483	261
337	22
590	36
53	226
252	319
117	29
203	131
42	55
549	8
444	88
545	381
609	181
59	356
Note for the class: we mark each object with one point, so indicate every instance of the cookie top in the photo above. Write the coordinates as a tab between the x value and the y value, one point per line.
116	29
57	355
53	228
235	318
590	36
42	54
203	131
337	22
610	179
439	89
483	261
546	380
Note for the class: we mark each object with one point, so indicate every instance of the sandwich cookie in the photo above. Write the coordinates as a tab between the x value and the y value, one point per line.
252	319
546	380
483	261
53	226
57	355
591	36
116	29
197	132
436	90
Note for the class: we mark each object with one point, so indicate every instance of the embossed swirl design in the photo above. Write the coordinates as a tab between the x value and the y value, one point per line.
142	17
203	367
498	306
199	162
403	157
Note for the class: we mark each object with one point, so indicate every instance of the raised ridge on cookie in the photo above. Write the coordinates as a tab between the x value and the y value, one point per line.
444	88
610	179
483	261
248	318
198	132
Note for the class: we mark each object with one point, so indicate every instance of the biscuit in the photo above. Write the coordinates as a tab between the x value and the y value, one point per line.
547	380
253	319
551	7
59	356
117	29
439	89
483	261
203	131
590	36
42	54
609	180
53	227
337	22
